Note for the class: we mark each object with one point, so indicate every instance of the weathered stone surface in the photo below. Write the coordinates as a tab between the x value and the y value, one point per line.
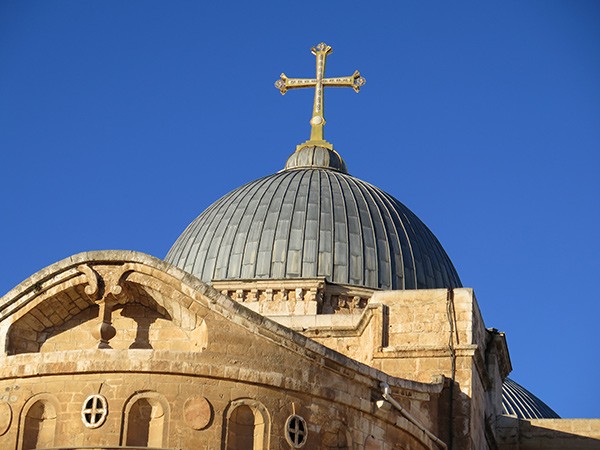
5	417
176	341
197	412
548	434
190	366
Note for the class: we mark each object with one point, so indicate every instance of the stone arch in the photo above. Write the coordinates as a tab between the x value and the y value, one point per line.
373	444
338	439
169	298
45	314
64	294
247	425
37	425
145	421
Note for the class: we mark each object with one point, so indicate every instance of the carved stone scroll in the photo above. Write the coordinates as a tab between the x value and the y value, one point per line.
105	288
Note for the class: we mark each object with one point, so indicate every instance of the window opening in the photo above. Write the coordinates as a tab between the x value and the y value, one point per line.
94	411
296	431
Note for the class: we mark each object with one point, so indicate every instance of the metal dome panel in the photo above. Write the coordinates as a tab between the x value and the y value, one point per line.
313	222
518	401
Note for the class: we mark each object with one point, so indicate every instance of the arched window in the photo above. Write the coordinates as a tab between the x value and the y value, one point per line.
336	440
372	444
248	426
38	424
145	421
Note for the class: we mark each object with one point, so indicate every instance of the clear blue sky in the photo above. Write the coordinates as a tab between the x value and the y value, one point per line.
121	121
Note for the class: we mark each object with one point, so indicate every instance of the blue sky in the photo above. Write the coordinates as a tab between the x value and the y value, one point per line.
121	121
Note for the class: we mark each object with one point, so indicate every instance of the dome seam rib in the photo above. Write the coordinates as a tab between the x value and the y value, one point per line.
378	269
234	209
213	215
278	220
305	228
231	208
332	219
519	401
378	205
266	187
360	231
226	246
276	183
394	213
412	239
420	229
253	194
221	215
192	230
347	228
318	233
291	224
440	255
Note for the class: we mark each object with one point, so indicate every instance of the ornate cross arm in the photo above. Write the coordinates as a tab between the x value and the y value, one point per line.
355	81
284	83
317	122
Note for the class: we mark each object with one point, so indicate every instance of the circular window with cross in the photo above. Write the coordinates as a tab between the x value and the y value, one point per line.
296	431
94	411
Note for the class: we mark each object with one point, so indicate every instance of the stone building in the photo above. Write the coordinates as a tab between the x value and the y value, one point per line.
306	309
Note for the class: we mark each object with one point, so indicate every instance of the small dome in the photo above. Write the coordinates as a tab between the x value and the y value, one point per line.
518	401
313	220
315	156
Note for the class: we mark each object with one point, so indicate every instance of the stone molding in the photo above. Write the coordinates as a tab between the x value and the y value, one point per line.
48	281
293	297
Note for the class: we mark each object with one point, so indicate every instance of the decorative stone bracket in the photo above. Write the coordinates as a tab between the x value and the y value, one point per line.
105	288
296	296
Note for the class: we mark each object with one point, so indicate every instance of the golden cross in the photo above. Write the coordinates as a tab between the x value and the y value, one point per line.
317	121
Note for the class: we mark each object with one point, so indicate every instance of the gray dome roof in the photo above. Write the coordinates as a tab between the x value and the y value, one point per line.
314	220
518	401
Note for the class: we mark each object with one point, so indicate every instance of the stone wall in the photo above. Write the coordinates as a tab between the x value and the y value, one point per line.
548	434
426	335
192	411
229	373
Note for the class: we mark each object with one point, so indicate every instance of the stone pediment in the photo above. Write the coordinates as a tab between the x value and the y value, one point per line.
102	300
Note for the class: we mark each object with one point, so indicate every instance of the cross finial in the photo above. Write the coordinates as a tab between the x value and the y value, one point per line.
317	121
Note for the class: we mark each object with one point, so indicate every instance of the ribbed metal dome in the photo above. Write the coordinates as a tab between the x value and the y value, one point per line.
518	401
316	156
316	221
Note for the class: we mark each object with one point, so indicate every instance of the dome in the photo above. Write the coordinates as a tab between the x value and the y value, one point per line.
518	401
314	220
316	156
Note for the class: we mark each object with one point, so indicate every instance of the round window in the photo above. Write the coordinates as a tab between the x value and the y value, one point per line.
94	411
296	431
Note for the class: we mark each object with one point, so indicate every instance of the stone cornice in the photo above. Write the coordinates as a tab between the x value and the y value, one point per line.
65	271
